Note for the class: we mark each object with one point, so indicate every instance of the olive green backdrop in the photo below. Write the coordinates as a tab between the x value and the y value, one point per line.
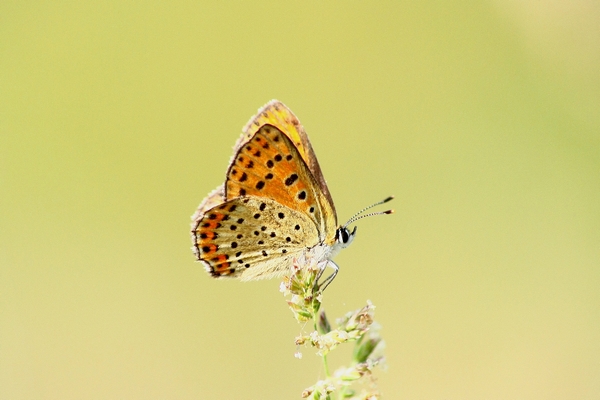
117	118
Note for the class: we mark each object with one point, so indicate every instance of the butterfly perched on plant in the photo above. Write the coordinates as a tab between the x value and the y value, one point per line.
273	207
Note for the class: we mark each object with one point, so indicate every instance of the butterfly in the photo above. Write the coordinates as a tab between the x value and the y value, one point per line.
273	207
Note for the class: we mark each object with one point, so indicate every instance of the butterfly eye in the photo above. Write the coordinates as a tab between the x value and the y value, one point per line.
344	236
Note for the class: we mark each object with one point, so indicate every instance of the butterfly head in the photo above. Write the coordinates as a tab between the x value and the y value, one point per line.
343	236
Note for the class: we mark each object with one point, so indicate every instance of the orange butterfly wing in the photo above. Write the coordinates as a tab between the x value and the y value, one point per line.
276	113
269	165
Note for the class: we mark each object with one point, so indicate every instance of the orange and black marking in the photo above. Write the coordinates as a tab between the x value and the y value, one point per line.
268	165
207	250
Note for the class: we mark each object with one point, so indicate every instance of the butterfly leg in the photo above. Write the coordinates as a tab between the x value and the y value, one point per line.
323	285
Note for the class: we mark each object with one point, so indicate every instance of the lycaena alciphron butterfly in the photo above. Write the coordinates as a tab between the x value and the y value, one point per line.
273	207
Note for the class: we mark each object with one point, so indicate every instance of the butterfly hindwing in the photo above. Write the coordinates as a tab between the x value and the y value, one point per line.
251	238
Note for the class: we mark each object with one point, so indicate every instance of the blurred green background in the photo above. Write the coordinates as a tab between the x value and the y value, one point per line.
483	118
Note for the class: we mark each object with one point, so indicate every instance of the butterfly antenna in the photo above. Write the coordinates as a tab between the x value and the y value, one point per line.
358	215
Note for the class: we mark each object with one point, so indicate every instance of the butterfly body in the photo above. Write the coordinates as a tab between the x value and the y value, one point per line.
273	207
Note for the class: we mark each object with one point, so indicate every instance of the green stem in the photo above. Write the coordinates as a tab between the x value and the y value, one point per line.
315	321
326	366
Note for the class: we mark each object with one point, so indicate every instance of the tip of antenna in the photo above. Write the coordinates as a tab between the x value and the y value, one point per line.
389	212
388	199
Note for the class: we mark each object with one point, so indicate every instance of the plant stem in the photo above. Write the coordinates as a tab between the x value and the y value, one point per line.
326	366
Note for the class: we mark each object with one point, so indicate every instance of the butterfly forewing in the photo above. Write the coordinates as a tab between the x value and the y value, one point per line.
275	113
269	166
251	238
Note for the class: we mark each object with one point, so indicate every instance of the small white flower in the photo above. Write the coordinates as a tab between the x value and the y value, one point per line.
283	288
